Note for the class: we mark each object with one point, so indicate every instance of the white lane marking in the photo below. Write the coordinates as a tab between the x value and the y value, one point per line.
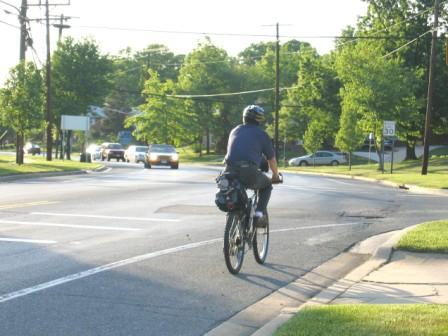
88	227
315	227
31	241
144	219
143	257
99	269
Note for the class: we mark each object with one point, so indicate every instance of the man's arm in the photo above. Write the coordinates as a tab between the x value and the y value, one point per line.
273	165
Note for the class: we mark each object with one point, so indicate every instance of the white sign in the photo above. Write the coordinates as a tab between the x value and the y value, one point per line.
75	123
389	128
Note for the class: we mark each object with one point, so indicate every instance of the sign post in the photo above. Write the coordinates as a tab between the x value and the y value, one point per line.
389	132
76	123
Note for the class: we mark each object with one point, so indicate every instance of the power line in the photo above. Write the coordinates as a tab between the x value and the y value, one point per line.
405	45
355	38
9	24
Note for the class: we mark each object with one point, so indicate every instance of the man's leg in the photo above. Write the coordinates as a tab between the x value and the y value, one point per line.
264	186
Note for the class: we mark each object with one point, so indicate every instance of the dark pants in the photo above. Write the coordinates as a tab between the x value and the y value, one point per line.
253	178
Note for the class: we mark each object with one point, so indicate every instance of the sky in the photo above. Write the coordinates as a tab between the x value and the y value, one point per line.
179	24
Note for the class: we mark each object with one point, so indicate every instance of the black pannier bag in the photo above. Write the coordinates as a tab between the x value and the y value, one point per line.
231	194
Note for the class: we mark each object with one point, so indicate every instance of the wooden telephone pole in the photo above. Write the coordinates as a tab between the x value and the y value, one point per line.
432	65
48	109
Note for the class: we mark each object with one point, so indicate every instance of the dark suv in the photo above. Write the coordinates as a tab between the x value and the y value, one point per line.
112	151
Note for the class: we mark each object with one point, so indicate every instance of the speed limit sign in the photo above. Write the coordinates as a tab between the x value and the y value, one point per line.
389	128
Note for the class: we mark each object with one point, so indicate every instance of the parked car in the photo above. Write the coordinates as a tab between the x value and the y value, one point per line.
94	151
162	155
112	151
31	148
135	153
319	158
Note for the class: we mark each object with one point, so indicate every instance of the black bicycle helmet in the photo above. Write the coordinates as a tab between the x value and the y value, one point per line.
253	113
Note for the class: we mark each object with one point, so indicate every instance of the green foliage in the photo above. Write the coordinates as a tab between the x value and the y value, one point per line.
22	99
314	136
162	119
80	77
316	98
208	69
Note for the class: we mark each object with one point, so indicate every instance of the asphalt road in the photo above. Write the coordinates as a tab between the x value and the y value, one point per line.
139	252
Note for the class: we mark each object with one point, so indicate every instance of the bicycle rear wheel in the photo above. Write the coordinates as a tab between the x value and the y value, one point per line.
261	242
234	243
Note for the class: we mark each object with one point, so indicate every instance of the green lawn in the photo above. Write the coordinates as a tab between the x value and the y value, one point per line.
368	320
428	237
38	164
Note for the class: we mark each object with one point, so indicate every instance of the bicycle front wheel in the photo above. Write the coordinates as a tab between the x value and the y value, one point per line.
261	242
234	243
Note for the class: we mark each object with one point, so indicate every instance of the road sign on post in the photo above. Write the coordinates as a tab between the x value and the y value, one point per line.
389	128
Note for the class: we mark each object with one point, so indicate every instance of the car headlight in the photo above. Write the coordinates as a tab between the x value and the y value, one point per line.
175	157
153	157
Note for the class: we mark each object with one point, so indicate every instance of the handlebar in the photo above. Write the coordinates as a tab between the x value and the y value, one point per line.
280	179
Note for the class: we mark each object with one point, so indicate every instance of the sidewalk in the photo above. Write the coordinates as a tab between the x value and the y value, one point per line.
388	277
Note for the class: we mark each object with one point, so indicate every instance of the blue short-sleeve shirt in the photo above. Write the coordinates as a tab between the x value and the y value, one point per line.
247	143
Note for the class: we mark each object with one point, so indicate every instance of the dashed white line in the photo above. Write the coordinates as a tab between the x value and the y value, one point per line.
31	241
88	227
144	219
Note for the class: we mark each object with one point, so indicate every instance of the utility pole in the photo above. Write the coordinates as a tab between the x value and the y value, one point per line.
23	40
277	90
61	25
432	65
48	109
48	112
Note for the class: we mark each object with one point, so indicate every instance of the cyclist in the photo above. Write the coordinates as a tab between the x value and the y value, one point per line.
247	145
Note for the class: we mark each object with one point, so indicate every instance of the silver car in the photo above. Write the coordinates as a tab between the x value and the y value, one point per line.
319	158
135	153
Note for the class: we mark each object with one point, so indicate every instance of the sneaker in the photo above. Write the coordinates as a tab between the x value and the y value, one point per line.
260	222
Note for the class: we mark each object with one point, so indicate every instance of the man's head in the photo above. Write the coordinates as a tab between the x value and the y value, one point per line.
253	114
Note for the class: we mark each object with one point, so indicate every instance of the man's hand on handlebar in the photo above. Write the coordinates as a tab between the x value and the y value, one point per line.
277	178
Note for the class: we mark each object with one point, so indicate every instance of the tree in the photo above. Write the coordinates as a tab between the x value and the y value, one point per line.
314	137
162	118
377	87
350	135
22	102
316	98
80	77
404	21
209	70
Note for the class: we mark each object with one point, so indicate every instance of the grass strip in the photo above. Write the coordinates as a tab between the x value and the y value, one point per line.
428	237
38	164
369	320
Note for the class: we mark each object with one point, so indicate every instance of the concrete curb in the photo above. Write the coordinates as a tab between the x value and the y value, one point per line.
380	256
10	178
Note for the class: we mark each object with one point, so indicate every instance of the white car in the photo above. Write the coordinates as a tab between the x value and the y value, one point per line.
135	153
94	151
319	158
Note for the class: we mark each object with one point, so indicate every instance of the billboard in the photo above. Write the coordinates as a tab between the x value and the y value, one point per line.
75	123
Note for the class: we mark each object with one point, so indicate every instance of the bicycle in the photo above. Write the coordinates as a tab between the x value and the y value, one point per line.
240	230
